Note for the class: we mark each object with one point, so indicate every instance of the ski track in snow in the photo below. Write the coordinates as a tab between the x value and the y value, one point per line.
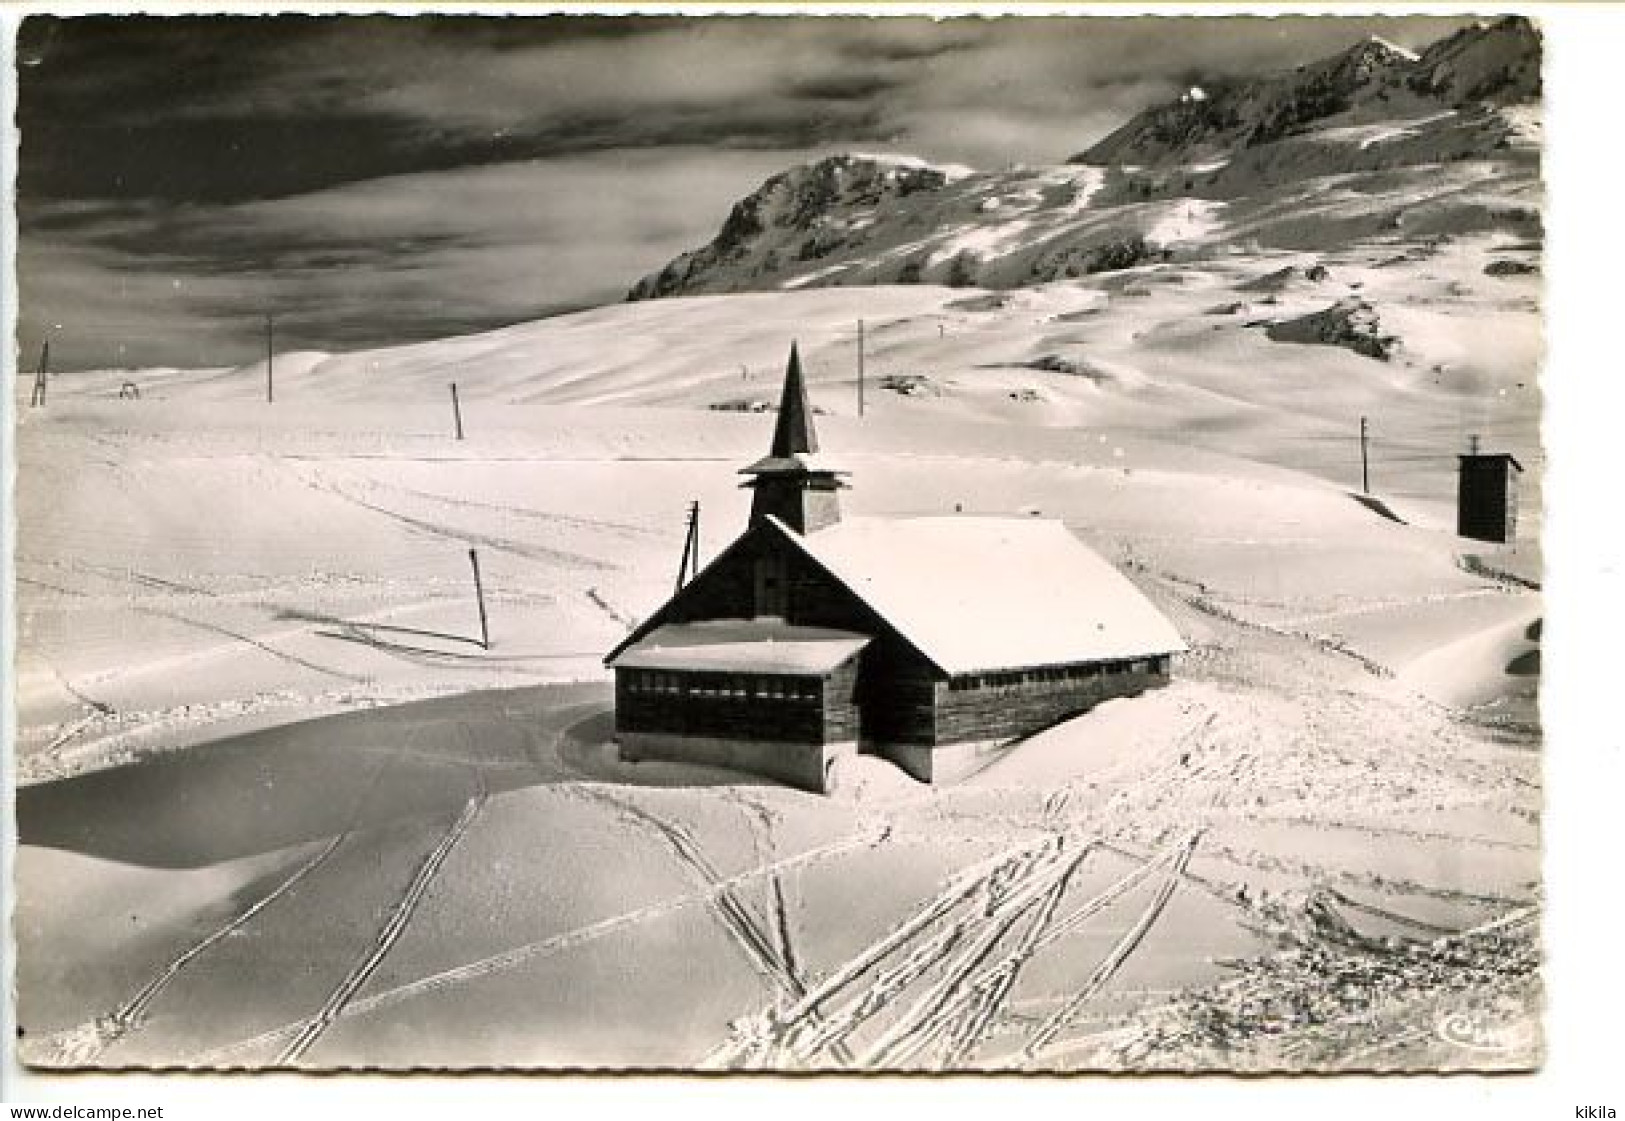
1119	953
941	1009
800	1029
755	936
991	994
951	946
546	517
524	549
537	950
86	1044
394	926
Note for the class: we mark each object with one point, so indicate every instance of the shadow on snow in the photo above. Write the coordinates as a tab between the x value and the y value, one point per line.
265	790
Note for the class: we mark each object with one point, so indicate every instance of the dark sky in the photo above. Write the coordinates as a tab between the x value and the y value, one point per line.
389	178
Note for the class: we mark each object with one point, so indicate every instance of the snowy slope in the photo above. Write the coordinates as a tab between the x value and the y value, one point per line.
249	689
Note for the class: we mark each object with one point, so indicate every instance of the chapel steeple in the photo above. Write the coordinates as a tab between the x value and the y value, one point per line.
793	483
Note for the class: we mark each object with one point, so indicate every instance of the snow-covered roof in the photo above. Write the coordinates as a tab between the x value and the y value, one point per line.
974	593
741	646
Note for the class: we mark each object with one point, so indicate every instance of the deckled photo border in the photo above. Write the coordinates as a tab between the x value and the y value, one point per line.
1583	742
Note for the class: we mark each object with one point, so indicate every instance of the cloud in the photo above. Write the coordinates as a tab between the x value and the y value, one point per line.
367	264
278	105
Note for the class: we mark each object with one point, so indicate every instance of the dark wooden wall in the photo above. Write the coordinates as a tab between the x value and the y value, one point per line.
692	713
840	703
1006	711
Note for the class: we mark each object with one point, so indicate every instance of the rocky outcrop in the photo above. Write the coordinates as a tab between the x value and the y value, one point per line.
1348	323
804	214
1488	63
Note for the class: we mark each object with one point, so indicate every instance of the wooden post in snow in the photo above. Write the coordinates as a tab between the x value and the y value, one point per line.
270	360
689	562
860	367
1365	462
682	561
41	375
479	595
456	411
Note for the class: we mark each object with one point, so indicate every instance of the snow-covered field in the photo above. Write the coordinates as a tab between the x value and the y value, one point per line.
277	804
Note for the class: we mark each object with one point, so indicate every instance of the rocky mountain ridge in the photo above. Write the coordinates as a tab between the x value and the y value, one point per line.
1374	142
1478	67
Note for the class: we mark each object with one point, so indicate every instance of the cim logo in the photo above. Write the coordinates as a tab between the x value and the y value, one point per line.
1486	1032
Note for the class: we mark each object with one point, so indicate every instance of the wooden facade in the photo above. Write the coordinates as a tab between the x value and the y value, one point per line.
761	574
785	708
890	698
1006	704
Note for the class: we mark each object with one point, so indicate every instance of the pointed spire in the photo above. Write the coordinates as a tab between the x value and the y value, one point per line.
791	482
794	432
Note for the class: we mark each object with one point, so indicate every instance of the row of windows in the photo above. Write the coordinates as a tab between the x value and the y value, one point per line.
1047	675
738	685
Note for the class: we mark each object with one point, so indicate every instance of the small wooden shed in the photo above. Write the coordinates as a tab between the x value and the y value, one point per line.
1487	497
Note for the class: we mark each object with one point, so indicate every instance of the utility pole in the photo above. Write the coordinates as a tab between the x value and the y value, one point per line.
270	360
860	367
1365	462
456	411
41	375
479	595
690	561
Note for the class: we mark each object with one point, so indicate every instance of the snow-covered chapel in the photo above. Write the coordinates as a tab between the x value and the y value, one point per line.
931	641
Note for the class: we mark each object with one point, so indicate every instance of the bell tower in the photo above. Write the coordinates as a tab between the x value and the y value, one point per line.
792	482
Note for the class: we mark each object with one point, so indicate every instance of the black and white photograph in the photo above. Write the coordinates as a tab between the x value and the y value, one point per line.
779	542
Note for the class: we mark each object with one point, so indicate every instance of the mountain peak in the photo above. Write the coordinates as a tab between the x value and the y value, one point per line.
1496	62
806	212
